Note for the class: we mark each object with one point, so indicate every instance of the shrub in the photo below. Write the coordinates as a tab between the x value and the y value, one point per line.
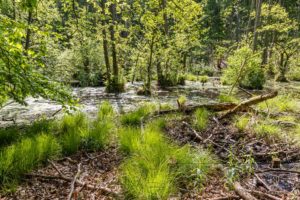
203	79
181	101
9	135
134	118
201	117
191	77
241	123
244	67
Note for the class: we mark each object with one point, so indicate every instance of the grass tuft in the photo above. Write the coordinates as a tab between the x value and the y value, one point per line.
201	117
241	123
225	98
129	139
266	130
134	118
281	103
24	156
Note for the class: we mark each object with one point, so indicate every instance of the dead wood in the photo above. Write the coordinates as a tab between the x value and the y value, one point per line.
249	102
232	197
74	181
242	192
104	190
262	182
278	170
231	108
263	195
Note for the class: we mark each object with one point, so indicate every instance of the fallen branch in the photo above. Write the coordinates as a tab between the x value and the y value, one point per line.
232	197
242	192
263	195
249	102
106	191
74	181
278	170
262	182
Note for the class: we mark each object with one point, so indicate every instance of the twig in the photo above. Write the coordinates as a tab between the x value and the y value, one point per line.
232	197
74	181
67	179
264	195
278	170
242	192
55	167
262	182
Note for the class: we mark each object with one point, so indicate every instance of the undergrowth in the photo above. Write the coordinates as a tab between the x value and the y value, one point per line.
242	122
156	167
134	118
48	140
201	117
281	103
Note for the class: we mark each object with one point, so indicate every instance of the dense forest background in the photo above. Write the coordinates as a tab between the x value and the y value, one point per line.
46	44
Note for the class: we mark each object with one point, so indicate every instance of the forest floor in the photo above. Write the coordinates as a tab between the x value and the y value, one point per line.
221	137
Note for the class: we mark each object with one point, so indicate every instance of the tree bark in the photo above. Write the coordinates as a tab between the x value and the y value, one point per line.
28	32
113	45
105	43
256	23
148	85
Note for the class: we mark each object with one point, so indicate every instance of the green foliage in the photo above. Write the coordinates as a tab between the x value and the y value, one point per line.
134	118
203	79
157	166
129	139
191	77
244	69
266	130
181	101
238	167
13	63
73	128
242	122
201	117
281	103
25	155
225	98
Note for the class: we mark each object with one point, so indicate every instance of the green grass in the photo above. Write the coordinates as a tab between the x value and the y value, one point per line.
281	103
13	134
72	129
201	117
224	98
268	131
156	166
129	139
203	79
101	130
134	118
242	122
22	157
181	101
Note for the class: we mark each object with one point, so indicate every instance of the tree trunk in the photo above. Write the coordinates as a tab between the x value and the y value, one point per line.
113	46
28	32
148	85
256	23
166	25
105	44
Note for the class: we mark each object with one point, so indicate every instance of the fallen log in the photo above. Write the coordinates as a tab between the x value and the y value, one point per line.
242	192
231	108
249	102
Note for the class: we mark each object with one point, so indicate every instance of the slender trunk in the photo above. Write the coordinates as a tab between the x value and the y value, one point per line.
150	65
249	20
184	62
256	23
113	45
28	32
134	68
14	9
105	43
166	25
237	31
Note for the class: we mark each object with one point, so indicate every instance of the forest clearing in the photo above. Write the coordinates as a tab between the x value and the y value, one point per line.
156	99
